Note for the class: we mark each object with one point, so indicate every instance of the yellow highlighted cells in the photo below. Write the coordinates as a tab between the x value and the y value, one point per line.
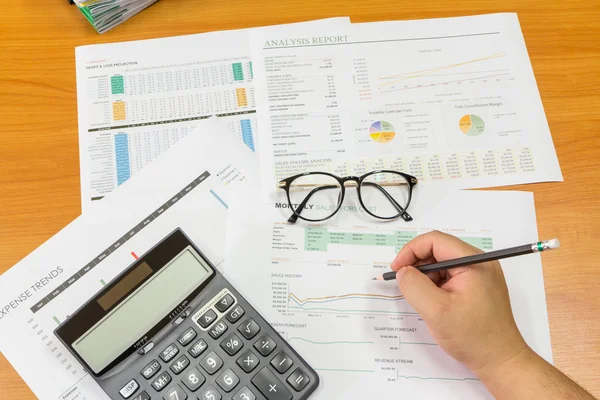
242	99
119	111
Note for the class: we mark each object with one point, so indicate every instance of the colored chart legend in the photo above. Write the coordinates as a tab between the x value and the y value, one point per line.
122	158
117	84
471	125
382	132
119	111
242	98
238	72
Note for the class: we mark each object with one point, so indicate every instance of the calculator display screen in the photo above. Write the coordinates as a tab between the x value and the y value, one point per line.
141	310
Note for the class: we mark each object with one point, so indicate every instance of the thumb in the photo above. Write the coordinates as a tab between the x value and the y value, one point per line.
421	293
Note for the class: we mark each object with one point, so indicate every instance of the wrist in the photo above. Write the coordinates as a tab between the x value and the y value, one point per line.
518	361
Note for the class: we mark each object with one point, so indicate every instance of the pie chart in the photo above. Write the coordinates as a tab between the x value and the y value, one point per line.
382	132
471	125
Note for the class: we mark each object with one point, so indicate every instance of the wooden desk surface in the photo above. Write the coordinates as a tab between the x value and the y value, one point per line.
39	174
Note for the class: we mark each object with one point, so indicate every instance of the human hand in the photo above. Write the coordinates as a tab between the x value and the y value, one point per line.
467	309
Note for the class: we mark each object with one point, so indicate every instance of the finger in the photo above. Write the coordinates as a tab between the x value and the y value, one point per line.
421	293
435	277
438	245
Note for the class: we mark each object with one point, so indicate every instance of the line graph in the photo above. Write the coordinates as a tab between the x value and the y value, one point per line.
426	72
459	72
350	303
326	343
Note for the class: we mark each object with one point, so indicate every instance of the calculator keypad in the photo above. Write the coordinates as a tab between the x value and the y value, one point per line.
211	363
249	328
193	379
232	344
248	361
200	373
167	354
207	318
224	304
234	315
217	330
142	396
228	380
271	387
197	348
187	337
180	364
244	394
265	345
151	369
128	390
161	381
282	362
210	393
175	393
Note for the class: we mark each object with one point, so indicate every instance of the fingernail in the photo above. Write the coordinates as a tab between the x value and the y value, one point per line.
400	272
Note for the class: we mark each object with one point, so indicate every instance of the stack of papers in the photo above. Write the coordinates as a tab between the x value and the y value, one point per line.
106	14
192	132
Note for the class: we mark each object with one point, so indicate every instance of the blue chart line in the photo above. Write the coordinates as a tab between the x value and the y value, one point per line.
220	199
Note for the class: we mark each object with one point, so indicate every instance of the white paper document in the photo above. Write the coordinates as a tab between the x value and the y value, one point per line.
185	189
314	283
135	99
447	100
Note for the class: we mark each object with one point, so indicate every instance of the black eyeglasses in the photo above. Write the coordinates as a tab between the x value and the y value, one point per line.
317	196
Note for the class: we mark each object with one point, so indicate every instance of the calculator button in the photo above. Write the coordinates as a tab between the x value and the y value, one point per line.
224	304
216	331
161	381
167	354
151	369
265	345
128	390
248	361
235	314
210	393
187	337
207	318
249	328
228	380
197	348
211	363
175	393
142	396
270	386
193	379
180	364
244	394
232	344
298	379
282	362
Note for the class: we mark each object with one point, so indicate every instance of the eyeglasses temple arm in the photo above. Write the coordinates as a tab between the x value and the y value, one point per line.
296	213
406	216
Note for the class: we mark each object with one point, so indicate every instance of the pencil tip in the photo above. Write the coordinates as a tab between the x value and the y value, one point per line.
378	278
374	279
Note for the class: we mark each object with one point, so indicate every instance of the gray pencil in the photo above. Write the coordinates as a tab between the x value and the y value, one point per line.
479	258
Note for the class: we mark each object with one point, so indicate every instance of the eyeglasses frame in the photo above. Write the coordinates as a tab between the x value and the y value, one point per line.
285	184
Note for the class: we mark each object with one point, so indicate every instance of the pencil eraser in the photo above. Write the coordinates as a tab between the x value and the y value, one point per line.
553	243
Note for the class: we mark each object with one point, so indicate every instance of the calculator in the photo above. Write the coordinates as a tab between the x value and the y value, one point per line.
171	327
